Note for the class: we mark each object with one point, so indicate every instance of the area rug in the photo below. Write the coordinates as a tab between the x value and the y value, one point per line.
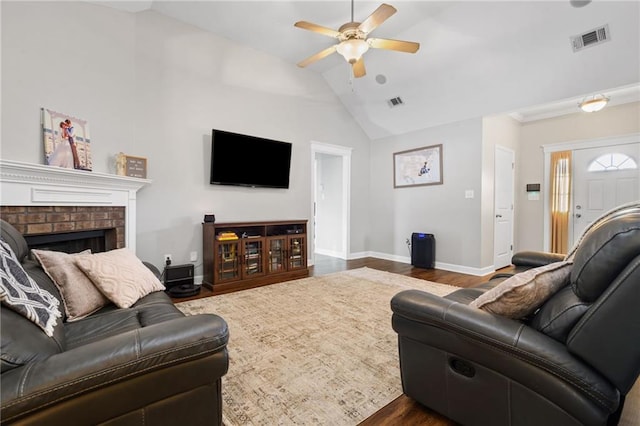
318	350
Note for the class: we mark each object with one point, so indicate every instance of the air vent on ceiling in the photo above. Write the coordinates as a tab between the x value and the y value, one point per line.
395	102
590	38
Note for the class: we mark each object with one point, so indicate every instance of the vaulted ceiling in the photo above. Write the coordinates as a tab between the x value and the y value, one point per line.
476	58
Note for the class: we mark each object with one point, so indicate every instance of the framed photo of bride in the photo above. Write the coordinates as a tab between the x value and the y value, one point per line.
66	141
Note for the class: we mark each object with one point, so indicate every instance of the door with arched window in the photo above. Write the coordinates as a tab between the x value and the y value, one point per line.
603	178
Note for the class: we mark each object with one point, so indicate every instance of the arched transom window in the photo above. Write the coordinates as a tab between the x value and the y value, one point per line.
612	162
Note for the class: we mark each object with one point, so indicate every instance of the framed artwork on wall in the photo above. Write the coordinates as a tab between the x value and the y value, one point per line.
66	141
418	167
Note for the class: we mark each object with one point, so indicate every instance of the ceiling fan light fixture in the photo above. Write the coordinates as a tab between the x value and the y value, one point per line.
352	49
594	103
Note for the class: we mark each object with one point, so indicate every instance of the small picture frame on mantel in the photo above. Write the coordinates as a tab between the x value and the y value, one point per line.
128	165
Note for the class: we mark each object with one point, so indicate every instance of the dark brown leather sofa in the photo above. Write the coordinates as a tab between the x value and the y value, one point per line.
569	363
145	365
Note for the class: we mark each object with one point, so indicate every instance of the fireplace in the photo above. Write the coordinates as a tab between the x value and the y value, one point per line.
97	241
68	228
45	202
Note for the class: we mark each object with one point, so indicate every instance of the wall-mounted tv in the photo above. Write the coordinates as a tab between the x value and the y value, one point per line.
244	160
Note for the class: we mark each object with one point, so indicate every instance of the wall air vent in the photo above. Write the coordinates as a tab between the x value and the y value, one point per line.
590	38
395	102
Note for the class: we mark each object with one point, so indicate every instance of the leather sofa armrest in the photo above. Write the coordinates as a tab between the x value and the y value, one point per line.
536	258
498	343
153	269
107	363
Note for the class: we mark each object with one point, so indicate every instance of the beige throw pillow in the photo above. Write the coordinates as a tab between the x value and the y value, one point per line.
79	296
523	293
119	275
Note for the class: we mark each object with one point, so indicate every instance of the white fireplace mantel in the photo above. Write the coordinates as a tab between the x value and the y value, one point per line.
27	184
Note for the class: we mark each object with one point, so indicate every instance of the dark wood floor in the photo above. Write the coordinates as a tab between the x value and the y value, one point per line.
403	410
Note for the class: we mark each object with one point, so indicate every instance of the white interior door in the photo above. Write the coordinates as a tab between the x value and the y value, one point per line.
503	209
614	179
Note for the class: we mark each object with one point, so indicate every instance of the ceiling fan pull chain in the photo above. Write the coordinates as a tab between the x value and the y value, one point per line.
350	80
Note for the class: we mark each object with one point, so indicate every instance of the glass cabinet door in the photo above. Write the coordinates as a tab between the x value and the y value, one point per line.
276	262
227	261
297	255
253	259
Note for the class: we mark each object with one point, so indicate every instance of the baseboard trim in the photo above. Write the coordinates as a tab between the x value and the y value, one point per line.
439	265
332	253
465	269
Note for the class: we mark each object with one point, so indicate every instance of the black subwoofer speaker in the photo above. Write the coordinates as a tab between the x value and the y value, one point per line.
178	280
423	250
178	275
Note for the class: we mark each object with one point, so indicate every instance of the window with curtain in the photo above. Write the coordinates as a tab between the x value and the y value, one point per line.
560	198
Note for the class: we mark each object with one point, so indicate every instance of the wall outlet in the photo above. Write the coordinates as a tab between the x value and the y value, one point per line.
167	259
194	256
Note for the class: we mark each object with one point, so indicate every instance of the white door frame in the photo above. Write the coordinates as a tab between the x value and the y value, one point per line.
570	146
345	153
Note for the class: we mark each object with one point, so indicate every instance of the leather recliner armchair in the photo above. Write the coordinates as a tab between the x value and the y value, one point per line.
571	362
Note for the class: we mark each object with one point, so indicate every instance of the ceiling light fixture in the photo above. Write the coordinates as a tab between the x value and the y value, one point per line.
352	49
593	103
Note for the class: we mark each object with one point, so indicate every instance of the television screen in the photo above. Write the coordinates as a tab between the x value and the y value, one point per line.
249	161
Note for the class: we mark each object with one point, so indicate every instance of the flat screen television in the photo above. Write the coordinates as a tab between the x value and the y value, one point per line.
244	160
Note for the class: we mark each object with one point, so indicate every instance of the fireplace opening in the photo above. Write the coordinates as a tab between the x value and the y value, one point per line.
97	240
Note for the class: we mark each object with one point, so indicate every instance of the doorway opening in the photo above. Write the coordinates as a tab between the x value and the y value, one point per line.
331	186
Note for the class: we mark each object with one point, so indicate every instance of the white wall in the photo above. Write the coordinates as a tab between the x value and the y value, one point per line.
464	228
73	58
153	87
441	210
611	121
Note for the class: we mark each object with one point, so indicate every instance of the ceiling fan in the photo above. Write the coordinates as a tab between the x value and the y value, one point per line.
353	41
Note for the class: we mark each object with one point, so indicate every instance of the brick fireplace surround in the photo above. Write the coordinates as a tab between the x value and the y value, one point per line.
38	220
40	199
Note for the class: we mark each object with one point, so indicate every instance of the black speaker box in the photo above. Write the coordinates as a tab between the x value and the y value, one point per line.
178	275
423	250
209	218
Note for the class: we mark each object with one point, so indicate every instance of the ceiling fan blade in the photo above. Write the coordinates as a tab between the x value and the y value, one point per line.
358	68
381	14
322	54
317	28
399	45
